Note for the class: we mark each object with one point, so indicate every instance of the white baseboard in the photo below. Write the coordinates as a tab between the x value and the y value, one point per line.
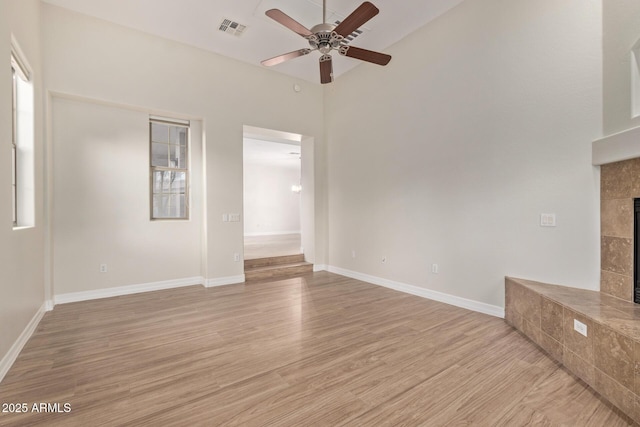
223	281
271	233
480	307
11	356
126	290
319	267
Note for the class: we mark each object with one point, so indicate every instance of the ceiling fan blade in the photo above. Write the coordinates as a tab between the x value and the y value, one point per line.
289	22
358	17
326	69
365	55
285	57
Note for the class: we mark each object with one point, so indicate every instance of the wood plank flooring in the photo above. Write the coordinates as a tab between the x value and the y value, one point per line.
314	350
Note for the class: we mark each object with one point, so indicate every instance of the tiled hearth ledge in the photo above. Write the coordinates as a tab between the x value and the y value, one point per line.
607	359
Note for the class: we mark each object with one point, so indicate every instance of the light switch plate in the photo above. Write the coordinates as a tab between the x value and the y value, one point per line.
548	220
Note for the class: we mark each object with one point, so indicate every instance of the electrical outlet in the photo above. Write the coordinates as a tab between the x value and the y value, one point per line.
225	217
384	260
434	268
548	220
234	217
353	253
236	257
103	268
580	327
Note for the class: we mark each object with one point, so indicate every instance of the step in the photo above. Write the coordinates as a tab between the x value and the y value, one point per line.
278	271
271	261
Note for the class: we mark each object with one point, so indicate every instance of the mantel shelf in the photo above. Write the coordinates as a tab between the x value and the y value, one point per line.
620	146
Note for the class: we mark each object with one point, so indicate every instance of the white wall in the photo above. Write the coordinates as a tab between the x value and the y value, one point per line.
482	121
98	60
270	207
21	251
621	30
101	202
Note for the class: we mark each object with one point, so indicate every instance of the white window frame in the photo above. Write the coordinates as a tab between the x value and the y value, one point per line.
22	140
14	145
186	169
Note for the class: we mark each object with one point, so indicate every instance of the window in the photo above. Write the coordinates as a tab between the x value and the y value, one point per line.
169	144
14	145
22	141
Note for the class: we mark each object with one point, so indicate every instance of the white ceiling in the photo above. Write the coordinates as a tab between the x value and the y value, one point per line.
196	23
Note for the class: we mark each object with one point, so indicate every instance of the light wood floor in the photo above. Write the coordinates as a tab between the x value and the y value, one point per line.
317	350
271	246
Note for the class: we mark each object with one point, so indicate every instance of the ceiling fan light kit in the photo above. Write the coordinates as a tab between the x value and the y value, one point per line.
326	38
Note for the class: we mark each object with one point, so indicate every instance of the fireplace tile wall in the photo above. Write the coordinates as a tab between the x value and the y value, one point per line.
619	185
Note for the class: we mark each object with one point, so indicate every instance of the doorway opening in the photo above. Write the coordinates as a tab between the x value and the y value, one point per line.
278	194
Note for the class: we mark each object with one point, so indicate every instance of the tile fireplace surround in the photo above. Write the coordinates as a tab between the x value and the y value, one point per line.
608	358
619	185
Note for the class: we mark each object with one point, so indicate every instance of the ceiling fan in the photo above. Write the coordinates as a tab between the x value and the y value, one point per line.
327	37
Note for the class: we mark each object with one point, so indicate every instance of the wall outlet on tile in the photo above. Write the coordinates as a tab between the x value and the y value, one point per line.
580	327
434	268
236	257
225	217
384	260
103	268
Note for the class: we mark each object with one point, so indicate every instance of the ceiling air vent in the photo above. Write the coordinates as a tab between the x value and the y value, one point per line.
351	36
231	27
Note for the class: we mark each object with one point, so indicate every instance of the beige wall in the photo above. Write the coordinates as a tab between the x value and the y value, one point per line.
481	122
101	208
97	60
621	30
21	251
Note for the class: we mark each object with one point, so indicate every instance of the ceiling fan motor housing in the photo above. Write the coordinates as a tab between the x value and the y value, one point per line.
324	38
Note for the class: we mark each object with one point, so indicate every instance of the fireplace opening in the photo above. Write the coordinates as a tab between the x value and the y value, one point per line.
636	251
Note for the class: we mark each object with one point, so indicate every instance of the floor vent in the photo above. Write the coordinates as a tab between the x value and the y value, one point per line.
231	27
